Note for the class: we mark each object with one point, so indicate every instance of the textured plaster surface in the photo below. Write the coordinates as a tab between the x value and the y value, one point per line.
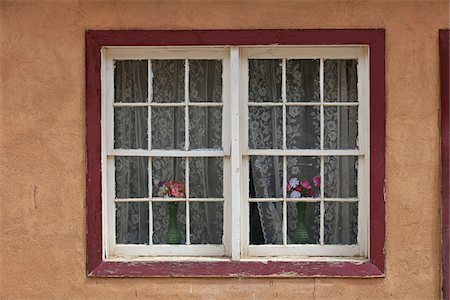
42	144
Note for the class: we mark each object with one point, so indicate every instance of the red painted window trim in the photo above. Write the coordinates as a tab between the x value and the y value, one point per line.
444	49
95	40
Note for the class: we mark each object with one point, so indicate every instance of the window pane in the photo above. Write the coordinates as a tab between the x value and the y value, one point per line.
341	176
265	128
205	127
130	80
131	176
168	128
206	222
340	80
267	223
132	223
341	223
302	80
303	221
341	127
303	127
266	177
168	80
169	222
168	176
130	128
205	80
264	80
303	176
206	177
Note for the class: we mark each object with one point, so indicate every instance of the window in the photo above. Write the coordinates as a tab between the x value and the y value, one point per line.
167	151
231	157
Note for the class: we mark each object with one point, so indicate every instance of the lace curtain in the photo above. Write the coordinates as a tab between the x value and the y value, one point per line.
265	132
168	124
303	132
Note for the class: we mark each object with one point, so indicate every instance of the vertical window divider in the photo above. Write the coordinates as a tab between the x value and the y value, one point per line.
149	147
235	155
322	158
283	95
186	147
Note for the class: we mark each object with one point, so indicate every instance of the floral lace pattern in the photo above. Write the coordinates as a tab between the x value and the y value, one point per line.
130	81
265	132
303	132
205	80
301	73
168	80
168	132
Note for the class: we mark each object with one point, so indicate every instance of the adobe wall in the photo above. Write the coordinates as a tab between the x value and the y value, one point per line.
42	142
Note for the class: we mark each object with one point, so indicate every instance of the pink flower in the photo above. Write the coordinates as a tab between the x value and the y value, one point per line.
305	183
316	180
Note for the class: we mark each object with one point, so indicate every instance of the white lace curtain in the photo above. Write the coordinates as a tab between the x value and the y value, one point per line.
302	132
265	132
206	174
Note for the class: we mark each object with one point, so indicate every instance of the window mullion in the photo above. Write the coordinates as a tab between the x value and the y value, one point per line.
235	156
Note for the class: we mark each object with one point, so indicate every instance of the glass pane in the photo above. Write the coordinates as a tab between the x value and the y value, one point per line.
130	128
266	177
303	127
206	222
265	127
340	80
205	127
264	80
132	223
341	176
206	177
341	127
168	128
205	80
168	177
303	177
266	223
303	221
169	222
302	80
130	80
131	176
168	80
341	223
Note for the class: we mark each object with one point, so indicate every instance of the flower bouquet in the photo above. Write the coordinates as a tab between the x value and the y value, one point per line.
296	188
171	189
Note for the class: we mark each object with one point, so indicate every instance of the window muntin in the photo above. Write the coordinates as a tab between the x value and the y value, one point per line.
287	148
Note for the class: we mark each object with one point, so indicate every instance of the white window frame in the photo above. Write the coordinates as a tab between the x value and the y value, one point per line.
235	152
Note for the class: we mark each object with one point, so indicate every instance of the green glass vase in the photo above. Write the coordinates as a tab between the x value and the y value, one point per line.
301	235
173	233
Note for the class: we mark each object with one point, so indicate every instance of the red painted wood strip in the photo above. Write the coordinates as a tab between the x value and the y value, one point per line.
93	149
374	38
236	269
377	150
444	47
234	37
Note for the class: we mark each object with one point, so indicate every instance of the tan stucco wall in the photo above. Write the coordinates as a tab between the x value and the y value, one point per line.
42	139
